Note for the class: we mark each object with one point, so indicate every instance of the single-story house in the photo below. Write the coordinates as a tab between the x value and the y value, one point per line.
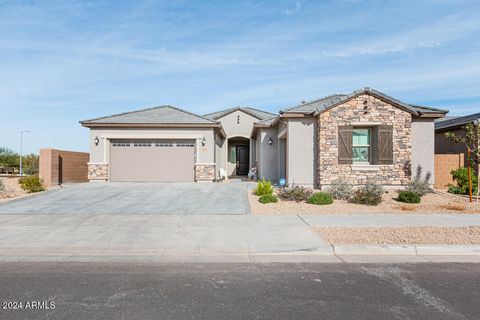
364	135
456	125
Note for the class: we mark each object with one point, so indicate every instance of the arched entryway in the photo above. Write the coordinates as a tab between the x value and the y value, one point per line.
238	156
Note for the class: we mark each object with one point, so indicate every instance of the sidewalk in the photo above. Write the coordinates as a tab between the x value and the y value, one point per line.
211	238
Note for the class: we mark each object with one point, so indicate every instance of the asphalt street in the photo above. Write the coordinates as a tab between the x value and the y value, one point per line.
239	291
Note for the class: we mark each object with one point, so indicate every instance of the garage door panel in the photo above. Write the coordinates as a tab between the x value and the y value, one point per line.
165	162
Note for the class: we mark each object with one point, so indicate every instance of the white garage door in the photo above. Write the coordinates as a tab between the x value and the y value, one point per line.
153	160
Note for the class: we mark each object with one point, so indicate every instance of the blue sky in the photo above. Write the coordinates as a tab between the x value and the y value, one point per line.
62	62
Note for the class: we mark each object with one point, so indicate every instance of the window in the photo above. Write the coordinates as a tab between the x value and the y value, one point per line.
120	144
163	144
361	145
142	144
185	144
232	154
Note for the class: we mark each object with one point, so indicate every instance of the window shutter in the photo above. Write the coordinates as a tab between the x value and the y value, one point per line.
374	145
344	144
385	145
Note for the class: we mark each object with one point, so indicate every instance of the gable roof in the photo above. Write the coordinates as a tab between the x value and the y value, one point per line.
155	115
318	106
312	106
256	113
456	121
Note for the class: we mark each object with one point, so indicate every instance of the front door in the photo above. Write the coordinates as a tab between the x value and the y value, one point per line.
242	160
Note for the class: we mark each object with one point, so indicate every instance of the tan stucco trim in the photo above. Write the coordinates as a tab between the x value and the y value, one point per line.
295	115
283	134
127	135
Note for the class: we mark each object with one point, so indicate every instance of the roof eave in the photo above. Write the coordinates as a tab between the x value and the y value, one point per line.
149	125
368	91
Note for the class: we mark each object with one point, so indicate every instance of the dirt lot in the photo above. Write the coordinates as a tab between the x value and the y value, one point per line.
12	189
404	235
431	203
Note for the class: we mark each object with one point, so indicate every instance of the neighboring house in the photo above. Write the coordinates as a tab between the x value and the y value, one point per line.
365	135
456	125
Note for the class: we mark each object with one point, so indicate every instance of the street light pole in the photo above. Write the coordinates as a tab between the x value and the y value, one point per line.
21	145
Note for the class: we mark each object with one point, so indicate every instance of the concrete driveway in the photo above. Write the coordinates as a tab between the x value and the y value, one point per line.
136	198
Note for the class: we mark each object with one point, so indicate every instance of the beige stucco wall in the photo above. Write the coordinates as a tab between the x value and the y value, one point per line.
237	124
302	151
351	113
220	144
204	154
423	146
268	162
234	129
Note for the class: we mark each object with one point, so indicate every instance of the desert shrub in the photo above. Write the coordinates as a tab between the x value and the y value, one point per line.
31	184
340	190
2	187
408	197
460	176
263	187
320	198
369	194
419	185
295	193
268	198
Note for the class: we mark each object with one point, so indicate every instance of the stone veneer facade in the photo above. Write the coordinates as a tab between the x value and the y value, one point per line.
204	172
98	171
349	113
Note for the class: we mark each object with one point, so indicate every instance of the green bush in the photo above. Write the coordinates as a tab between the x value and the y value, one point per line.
268	198
295	193
460	176
263	187
320	198
369	194
408	197
340	190
9	158
419	185
31	184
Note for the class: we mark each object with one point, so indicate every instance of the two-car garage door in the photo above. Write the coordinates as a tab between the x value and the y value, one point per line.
152	160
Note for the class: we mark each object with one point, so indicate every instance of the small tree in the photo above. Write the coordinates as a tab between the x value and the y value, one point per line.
9	158
471	142
30	163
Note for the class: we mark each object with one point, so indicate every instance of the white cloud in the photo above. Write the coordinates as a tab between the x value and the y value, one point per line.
295	10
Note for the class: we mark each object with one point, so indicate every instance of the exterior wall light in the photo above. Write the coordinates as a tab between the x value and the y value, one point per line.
96	140
204	142
270	141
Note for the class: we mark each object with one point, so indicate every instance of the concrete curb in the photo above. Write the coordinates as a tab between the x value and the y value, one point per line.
413	250
374	250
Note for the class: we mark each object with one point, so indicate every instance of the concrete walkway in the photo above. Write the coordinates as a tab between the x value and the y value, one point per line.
392	220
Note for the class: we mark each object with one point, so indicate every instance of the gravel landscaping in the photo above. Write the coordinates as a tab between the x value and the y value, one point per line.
439	202
12	189
403	235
